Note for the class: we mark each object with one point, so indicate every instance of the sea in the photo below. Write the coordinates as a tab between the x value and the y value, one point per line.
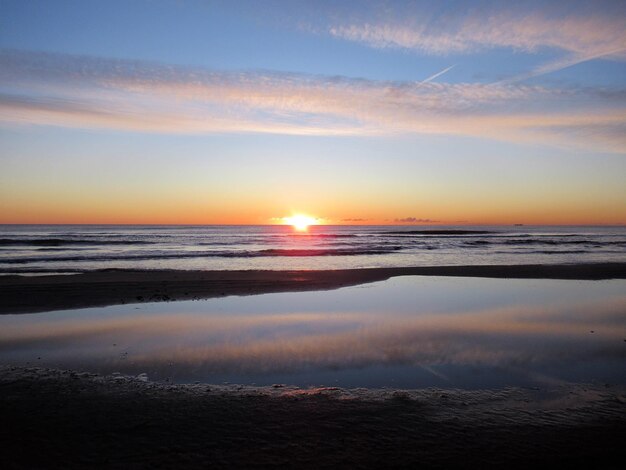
66	249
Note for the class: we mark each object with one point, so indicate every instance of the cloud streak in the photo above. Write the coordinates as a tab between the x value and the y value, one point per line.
90	92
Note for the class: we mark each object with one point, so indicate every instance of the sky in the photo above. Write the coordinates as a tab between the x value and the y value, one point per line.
352	112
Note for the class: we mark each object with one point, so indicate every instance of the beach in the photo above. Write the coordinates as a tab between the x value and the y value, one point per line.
68	419
27	294
79	418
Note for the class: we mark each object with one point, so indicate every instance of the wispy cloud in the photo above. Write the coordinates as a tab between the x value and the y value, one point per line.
90	92
475	32
579	32
414	220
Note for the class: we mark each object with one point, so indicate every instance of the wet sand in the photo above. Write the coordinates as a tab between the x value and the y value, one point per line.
64	419
28	294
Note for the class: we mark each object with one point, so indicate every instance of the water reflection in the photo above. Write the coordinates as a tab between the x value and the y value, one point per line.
405	332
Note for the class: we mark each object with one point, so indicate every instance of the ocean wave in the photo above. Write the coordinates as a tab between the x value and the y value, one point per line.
292	235
535	241
365	250
67	241
546	252
207	254
438	232
37	270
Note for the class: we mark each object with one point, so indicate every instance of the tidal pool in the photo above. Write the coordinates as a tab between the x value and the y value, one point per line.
407	332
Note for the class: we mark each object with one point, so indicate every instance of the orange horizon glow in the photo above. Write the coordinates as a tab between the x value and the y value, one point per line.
192	205
135	216
170	208
174	221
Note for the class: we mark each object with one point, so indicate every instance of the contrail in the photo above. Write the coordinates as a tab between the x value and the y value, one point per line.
432	77
559	65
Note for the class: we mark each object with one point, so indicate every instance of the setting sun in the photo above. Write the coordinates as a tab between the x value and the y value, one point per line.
300	222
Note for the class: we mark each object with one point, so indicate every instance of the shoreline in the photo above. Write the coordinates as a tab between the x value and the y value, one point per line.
31	294
68	419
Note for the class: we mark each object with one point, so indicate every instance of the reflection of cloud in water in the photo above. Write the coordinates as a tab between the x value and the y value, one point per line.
229	343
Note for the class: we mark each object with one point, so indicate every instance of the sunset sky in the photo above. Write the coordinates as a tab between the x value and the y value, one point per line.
228	112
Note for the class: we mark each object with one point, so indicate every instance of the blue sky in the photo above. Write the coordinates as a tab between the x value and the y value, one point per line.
242	112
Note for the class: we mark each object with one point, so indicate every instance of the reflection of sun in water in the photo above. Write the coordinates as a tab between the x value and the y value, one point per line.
300	222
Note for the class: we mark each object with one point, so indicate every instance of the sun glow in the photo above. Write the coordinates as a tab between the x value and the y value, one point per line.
300	222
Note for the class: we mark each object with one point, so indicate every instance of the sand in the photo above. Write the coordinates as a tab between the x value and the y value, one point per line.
27	294
65	419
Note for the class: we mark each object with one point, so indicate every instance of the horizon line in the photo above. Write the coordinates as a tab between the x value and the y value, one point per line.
616	224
